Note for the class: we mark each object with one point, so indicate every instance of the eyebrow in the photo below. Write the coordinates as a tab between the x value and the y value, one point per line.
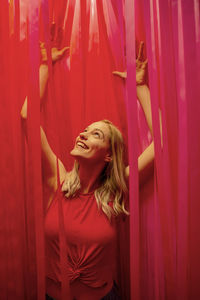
97	130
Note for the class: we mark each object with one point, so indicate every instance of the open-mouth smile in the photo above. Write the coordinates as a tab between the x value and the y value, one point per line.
82	145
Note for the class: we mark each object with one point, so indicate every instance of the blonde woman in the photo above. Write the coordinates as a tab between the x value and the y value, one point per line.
93	196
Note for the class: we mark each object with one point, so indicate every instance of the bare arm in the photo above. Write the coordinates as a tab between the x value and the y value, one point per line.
144	160
143	95
49	163
49	160
148	154
43	78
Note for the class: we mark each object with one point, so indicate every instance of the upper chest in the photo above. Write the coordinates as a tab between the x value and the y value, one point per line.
84	222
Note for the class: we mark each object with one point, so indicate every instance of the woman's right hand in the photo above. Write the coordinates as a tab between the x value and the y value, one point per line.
56	35
56	54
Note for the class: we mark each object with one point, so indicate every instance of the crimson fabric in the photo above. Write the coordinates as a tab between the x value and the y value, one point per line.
133	151
91	247
112	295
82	89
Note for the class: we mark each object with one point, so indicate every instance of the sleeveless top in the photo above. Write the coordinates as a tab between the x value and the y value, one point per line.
91	246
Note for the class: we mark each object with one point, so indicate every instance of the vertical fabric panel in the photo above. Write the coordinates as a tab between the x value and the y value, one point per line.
182	225
103	36
190	19
13	243
34	148
131	105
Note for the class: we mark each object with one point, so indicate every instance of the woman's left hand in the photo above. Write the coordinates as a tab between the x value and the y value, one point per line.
140	68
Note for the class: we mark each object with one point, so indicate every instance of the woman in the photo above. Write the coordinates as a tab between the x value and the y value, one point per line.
92	196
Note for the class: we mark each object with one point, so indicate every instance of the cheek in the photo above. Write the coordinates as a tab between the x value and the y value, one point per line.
98	148
99	151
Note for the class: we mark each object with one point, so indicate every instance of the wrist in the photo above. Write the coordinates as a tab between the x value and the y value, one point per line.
43	66
140	85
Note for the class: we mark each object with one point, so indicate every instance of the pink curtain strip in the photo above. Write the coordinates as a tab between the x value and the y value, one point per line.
182	230
35	191
131	105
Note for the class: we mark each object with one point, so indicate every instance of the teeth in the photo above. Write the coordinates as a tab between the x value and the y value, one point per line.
82	145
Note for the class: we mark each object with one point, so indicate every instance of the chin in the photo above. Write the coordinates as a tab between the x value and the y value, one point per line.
73	152
76	153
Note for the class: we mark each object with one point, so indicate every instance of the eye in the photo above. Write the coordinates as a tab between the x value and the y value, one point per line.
97	134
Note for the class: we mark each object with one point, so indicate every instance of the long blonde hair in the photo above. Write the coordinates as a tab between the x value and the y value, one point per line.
112	179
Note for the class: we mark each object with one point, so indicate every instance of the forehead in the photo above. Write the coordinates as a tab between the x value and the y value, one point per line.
101	126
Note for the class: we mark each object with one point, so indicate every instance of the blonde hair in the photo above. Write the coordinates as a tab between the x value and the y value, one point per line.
112	178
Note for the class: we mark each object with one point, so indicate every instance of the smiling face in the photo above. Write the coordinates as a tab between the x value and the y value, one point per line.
93	143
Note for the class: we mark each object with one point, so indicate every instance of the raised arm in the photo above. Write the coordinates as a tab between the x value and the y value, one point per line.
148	154
49	160
49	164
143	95
43	78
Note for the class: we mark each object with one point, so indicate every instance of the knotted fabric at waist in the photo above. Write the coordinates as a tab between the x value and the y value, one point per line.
87	276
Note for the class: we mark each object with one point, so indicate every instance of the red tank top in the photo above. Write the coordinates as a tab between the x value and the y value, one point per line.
91	242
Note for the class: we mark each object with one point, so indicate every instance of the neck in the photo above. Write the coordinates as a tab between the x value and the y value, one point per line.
89	176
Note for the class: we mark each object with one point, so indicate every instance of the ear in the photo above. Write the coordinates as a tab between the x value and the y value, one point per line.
108	157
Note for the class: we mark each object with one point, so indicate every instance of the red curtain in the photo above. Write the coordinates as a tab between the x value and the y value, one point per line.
161	260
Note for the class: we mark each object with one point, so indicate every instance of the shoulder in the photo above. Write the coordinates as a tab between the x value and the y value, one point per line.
127	172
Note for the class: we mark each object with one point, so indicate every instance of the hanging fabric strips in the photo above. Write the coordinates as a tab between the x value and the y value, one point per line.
159	243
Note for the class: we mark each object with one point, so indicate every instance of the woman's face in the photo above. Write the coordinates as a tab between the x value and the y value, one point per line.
93	143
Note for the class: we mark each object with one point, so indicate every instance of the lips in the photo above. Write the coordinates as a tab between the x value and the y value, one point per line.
82	145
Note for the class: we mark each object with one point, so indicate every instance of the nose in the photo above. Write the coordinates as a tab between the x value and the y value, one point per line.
83	135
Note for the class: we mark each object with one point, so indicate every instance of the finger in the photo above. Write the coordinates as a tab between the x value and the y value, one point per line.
41	45
115	72
63	50
140	53
144	64
120	74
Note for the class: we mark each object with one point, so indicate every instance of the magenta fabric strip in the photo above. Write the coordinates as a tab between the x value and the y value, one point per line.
153	81
168	169
156	51
182	184
65	289
5	106
121	26
35	192
182	230
194	148
131	104
190	245
114	24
